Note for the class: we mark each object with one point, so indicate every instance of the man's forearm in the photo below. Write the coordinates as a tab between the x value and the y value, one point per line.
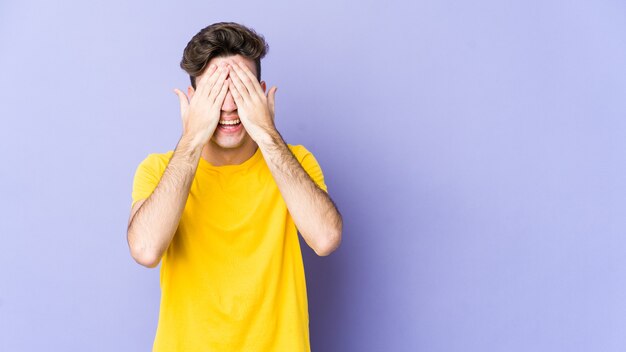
152	228
312	210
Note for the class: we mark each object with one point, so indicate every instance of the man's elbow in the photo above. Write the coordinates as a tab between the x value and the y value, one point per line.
144	258
148	263
330	245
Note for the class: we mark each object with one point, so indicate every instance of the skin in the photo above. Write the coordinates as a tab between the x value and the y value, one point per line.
227	89
222	148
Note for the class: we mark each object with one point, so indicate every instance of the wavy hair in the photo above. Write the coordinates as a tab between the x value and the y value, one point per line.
222	39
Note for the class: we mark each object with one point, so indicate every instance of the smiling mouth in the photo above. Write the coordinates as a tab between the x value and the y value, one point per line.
229	122
230	126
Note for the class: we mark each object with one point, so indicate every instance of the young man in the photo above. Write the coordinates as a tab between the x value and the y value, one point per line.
221	212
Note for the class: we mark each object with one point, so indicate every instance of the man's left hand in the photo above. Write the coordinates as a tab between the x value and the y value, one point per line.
255	109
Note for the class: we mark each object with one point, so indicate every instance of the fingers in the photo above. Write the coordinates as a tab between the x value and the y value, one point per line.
248	79
252	79
214	72
201	84
184	102
236	94
238	84
217	86
219	75
222	94
271	97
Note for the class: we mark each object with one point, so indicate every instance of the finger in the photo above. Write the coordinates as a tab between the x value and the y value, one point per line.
251	78
241	88
184	102
217	86
201	84
219	100
245	80
211	79
236	94
271	97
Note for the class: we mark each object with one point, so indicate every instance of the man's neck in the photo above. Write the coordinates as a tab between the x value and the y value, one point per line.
218	156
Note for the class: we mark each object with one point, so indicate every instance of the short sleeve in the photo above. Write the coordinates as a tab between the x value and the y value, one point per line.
310	165
147	177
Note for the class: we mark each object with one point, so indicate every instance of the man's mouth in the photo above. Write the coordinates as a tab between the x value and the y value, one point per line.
230	122
230	125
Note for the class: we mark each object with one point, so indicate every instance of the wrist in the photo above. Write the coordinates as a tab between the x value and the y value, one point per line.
191	142
269	139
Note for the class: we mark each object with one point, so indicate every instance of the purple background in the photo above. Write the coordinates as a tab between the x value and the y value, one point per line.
476	151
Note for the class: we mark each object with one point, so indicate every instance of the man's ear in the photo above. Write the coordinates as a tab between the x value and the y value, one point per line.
190	92
263	86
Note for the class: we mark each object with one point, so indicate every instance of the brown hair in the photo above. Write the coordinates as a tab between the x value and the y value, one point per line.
222	39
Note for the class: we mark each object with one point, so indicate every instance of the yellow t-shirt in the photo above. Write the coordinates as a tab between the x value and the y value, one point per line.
232	279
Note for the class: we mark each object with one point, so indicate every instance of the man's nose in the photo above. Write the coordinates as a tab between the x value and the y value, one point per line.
229	103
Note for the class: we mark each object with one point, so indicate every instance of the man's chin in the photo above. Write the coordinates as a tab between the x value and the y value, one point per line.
229	143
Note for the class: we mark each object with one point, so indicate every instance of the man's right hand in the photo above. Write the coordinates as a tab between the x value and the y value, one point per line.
201	112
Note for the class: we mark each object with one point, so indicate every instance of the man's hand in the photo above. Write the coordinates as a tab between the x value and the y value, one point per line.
201	114
313	212
256	110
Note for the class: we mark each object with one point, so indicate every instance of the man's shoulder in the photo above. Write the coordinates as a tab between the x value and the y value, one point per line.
157	159
161	156
298	150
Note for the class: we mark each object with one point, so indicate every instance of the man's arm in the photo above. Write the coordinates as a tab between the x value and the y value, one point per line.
154	224
152	227
313	211
311	208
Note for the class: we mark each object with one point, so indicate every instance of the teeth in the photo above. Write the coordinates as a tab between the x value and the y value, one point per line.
233	122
